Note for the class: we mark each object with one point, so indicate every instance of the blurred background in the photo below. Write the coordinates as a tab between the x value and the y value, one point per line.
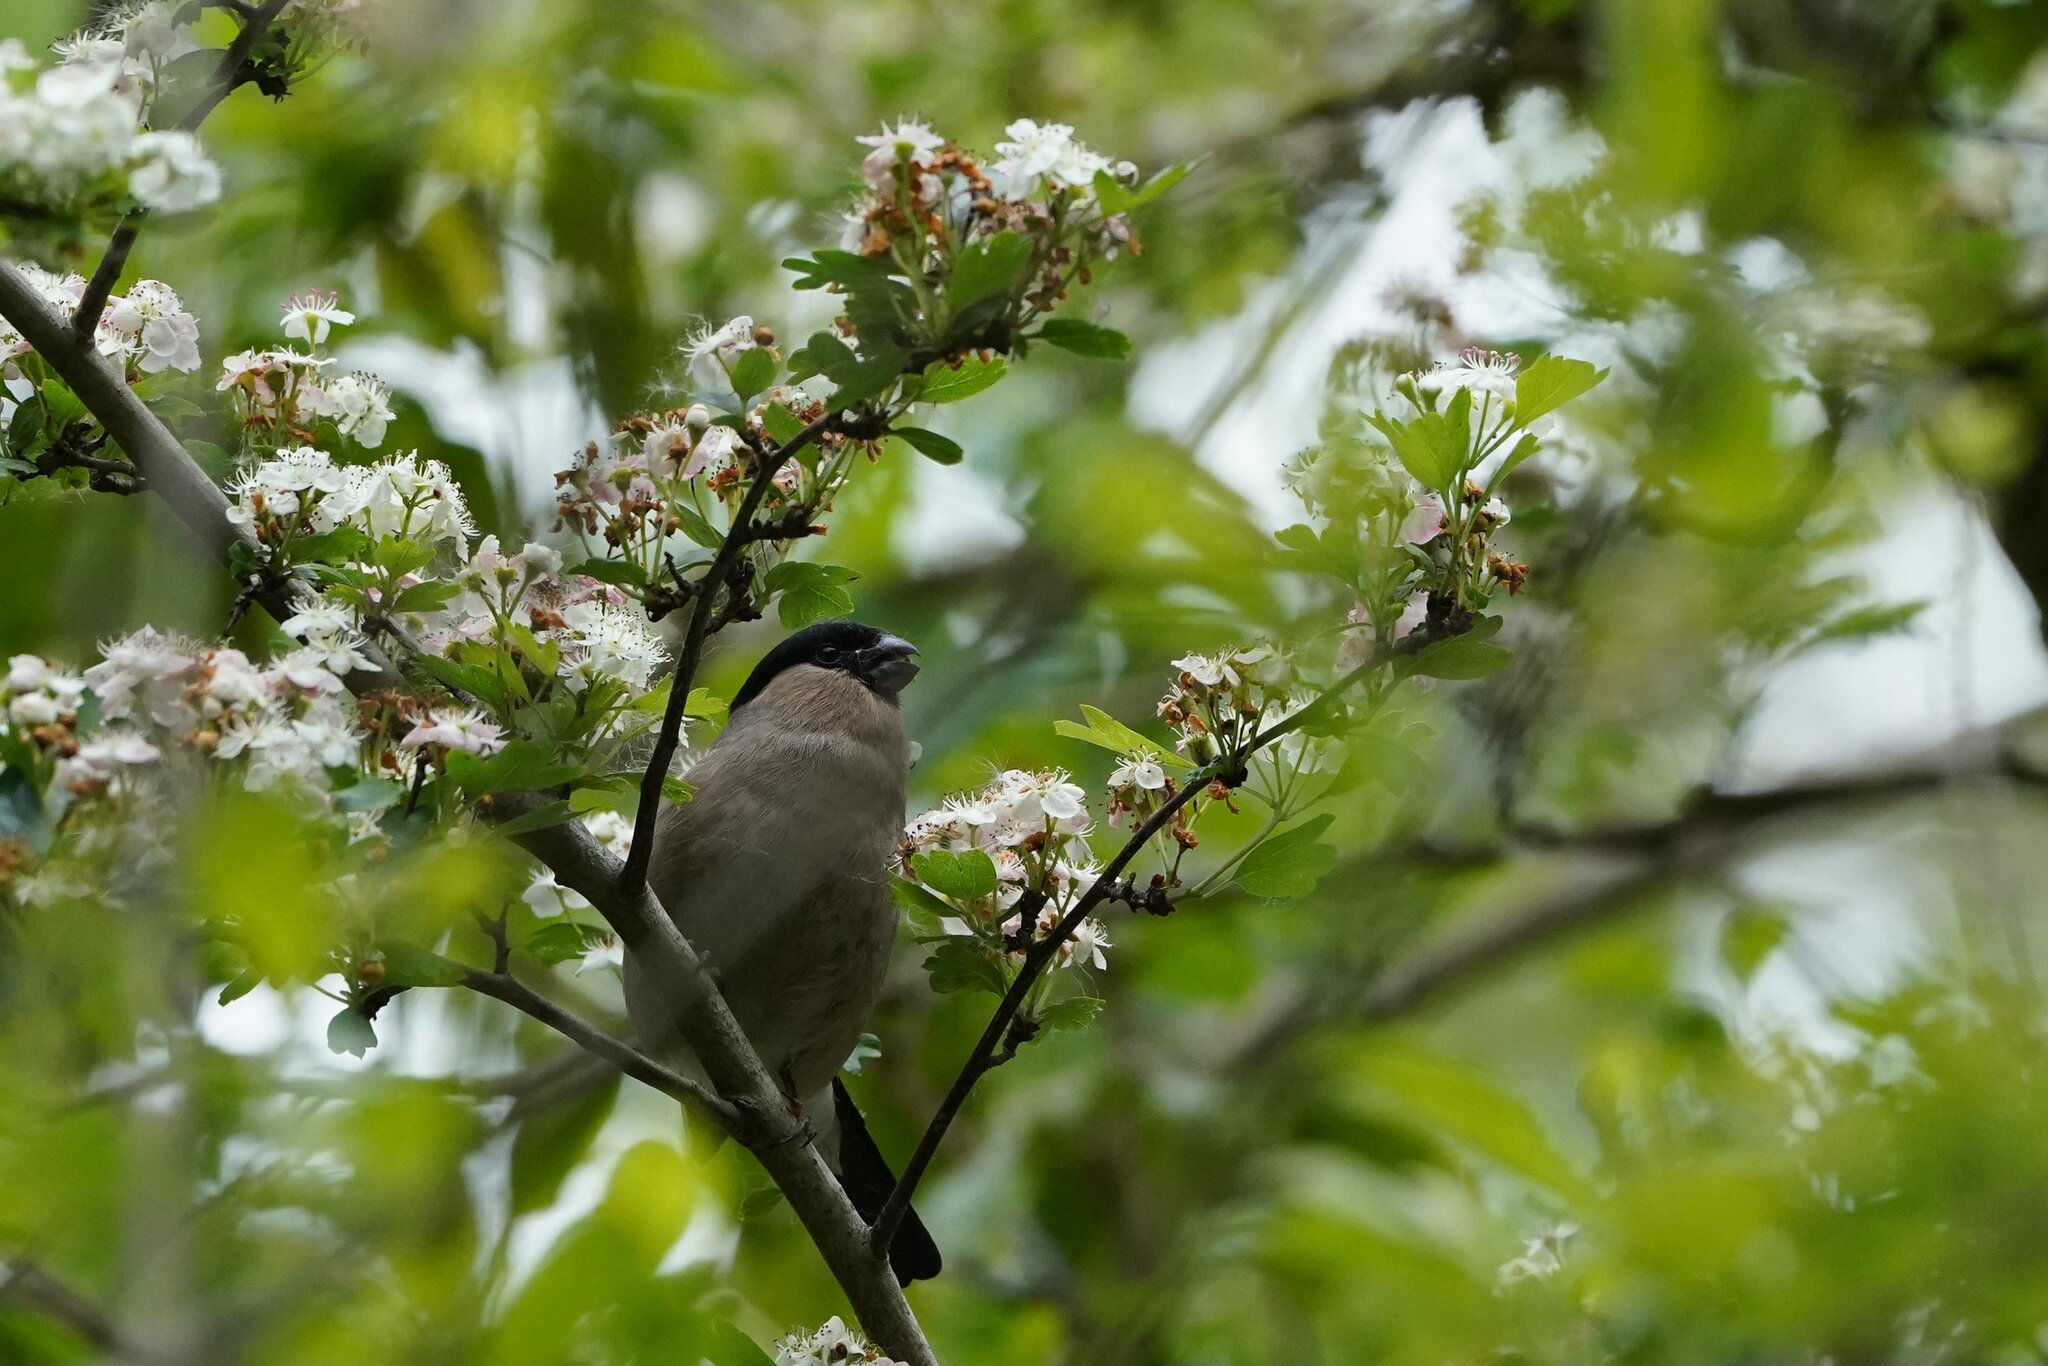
1676	994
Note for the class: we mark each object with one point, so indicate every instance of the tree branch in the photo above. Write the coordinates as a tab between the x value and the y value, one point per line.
765	1120
738	536
1040	952
85	319
502	986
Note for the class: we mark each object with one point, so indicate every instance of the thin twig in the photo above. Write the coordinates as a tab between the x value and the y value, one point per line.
502	986
991	1049
23	1281
737	537
85	319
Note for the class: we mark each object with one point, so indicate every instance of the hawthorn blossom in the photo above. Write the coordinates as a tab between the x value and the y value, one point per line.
172	174
725	342
457	729
308	316
910	142
1425	520
1482	371
833	1344
360	405
1037	154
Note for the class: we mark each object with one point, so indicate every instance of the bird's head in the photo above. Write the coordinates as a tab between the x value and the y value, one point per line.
876	658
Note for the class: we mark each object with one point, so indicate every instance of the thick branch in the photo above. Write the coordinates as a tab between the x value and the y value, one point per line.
228	75
764	1119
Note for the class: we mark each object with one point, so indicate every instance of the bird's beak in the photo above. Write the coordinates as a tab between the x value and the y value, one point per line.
886	665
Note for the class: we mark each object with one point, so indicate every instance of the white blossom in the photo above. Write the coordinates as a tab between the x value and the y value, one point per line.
172	174
833	1344
1482	371
360	405
308	316
457	728
911	141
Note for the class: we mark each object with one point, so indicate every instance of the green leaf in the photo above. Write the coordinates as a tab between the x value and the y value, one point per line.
409	965
960	965
837	268
931	445
470	679
1076	1012
728	1346
241	986
1460	657
540	818
369	794
1750	936
395	556
1465	1105
553	1139
1106	732
752	372
988	269
1527	446
1115	197
863	379
945	383
824	352
27	422
1084	338
348	1032
521	766
1290	863
430	596
964	876
1550	382
558	941
21	810
1864	622
809	592
783	426
924	909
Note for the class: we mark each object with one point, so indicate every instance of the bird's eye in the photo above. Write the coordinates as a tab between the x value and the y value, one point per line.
828	654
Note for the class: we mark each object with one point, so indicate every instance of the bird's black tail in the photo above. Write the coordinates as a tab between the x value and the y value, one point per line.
866	1177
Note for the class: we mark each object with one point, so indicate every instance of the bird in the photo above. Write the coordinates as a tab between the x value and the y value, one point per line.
777	871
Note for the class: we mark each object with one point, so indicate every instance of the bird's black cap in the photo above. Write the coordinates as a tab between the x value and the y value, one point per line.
875	657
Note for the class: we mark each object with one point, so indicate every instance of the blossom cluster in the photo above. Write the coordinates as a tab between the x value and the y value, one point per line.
928	204
73	138
145	331
1411	491
303	492
833	1344
590	625
1217	703
680	473
281	394
1032	826
285	724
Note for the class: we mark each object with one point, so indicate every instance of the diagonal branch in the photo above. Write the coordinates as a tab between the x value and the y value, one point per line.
502	986
738	536
991	1048
765	1121
227	76
23	1281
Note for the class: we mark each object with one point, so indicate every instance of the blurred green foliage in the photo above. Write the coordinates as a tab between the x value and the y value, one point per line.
1722	1125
